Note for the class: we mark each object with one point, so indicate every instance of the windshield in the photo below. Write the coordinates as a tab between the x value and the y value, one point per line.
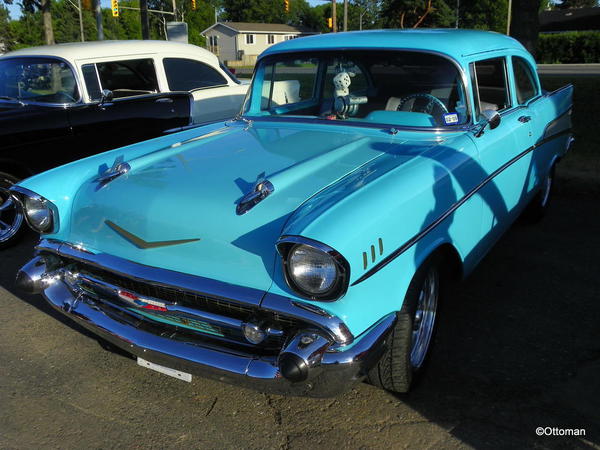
42	80
381	87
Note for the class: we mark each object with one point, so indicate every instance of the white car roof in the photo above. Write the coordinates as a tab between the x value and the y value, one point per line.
106	49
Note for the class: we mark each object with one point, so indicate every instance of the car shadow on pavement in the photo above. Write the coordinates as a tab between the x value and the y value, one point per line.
518	342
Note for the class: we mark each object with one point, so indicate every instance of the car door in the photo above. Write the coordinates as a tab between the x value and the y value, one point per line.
34	127
505	155
215	97
135	113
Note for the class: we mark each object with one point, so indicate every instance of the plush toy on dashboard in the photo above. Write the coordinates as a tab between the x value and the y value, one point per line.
345	104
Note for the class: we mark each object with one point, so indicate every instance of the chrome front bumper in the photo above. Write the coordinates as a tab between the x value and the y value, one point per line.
332	367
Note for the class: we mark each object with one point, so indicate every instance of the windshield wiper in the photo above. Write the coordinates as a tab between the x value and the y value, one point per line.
12	99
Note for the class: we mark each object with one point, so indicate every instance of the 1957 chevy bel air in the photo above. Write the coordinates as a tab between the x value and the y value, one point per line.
303	246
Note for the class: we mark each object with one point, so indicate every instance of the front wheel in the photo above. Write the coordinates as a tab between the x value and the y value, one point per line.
11	217
411	338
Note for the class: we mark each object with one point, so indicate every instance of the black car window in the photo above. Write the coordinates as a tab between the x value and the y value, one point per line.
127	78
90	77
490	84
524	80
41	80
187	74
289	81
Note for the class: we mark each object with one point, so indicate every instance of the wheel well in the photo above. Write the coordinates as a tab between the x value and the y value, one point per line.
451	262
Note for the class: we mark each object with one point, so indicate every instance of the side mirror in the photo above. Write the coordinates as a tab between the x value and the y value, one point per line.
492	117
107	97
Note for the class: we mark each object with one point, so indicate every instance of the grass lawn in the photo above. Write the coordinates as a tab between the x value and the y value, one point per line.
583	162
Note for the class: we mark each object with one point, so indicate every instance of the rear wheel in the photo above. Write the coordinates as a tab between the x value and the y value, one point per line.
411	338
11	216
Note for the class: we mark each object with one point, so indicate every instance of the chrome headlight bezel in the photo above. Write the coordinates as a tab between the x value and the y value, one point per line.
22	196
287	244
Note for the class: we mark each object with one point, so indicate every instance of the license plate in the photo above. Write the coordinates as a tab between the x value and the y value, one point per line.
166	370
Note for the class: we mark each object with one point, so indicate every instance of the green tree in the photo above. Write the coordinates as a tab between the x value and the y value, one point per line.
6	37
416	13
483	14
44	6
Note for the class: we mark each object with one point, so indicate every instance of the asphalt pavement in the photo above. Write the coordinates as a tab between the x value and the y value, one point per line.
518	348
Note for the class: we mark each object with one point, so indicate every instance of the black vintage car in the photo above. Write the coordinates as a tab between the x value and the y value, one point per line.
46	121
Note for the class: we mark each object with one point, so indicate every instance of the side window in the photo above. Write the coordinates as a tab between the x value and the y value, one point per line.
289	82
249	39
90	77
490	84
271	39
128	78
187	74
524	80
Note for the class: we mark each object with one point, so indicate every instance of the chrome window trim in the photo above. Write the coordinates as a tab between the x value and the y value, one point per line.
262	300
75	75
454	62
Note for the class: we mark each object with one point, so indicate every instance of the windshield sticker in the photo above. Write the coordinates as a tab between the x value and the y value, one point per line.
451	118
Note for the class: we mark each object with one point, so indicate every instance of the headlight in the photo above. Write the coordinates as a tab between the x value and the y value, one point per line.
39	212
312	269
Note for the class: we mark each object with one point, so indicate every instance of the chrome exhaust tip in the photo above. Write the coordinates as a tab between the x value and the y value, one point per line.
35	276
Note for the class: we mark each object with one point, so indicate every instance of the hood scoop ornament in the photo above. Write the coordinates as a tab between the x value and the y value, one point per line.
261	190
118	169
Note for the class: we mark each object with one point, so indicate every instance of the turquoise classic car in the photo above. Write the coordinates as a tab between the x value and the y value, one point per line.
304	245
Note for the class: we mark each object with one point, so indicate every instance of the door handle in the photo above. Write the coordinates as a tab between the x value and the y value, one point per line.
164	100
524	119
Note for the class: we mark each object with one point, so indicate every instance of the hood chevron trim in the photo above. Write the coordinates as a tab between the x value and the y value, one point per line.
139	242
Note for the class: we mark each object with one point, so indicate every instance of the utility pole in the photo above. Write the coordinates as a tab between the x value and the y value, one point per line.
345	15
457	12
509	17
174	11
80	21
98	14
333	17
144	19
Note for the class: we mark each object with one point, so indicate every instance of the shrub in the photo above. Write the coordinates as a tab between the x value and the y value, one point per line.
569	48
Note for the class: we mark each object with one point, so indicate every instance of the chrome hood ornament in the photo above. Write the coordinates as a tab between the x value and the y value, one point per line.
139	242
119	168
261	190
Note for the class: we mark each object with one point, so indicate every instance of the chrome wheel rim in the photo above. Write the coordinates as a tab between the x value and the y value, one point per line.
424	318
546	189
11	217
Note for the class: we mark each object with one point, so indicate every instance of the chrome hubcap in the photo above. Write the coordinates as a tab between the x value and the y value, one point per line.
424	319
546	189
11	217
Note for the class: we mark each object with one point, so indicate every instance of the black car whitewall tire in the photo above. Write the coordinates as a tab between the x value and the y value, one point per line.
412	336
11	216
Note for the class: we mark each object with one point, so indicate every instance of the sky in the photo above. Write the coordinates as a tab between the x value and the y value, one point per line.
15	10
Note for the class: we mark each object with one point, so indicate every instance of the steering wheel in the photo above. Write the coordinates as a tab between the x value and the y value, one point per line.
427	107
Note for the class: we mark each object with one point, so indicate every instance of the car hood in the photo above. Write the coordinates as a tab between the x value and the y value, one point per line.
176	207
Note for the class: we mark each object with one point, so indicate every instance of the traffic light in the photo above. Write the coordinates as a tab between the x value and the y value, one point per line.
330	22
286	4
194	5
115	7
87	4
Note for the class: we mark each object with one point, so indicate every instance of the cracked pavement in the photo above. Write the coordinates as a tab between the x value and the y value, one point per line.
518	347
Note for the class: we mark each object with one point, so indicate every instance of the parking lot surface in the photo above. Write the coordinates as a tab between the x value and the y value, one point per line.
518	347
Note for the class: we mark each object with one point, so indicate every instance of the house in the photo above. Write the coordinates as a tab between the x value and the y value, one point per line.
241	41
580	19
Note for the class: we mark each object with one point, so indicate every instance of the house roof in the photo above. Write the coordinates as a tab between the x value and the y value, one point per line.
248	27
570	19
